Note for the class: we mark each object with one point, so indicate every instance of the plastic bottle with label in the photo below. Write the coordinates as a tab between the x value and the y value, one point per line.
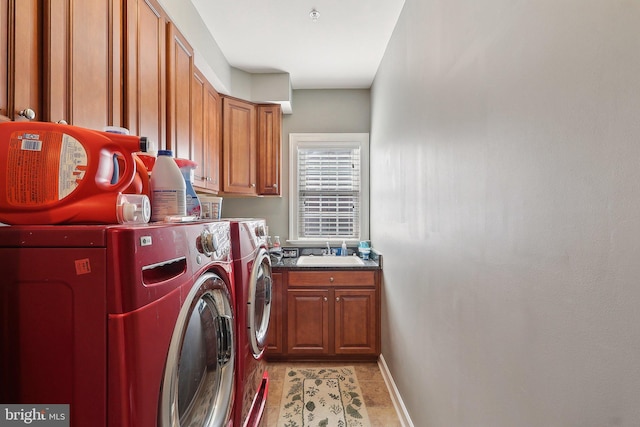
168	188
276	250
61	174
187	168
343	249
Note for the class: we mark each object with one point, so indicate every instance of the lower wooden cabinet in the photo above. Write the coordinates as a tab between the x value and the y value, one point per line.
329	314
274	334
308	321
356	321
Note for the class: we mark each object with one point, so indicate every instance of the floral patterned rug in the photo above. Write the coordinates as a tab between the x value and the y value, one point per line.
322	397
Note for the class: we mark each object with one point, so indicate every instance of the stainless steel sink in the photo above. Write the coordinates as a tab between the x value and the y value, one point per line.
329	261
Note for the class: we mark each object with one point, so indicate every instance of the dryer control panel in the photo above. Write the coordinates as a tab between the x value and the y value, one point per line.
215	241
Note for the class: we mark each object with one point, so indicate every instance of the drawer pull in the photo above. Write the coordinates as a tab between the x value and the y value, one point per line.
337	299
331	279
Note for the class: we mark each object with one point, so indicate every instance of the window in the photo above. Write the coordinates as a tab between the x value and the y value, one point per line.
329	183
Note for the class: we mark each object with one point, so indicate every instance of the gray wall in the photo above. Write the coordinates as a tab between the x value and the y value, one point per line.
509	211
313	111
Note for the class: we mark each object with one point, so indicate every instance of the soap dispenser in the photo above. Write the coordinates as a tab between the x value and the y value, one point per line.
343	250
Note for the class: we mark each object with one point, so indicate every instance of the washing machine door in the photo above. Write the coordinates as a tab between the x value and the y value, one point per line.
199	385
259	303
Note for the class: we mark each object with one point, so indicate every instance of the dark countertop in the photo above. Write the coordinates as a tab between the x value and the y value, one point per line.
290	263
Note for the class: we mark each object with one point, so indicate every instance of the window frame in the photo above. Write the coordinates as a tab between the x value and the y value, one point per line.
341	140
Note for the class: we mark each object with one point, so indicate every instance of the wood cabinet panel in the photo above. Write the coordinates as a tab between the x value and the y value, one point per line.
4	57
205	133
356	322
179	78
238	146
21	63
269	149
274	335
145	79
332	278
82	76
198	96
213	137
308	321
331	314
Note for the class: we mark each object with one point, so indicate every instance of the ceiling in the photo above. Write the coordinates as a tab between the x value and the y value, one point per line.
341	50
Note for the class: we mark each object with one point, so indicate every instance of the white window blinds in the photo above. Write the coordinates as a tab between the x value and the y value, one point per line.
329	192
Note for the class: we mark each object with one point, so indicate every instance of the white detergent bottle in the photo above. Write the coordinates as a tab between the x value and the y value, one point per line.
167	188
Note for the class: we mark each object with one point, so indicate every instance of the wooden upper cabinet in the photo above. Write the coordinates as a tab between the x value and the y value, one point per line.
238	146
82	62
21	62
213	137
4	57
179	77
205	133
145	65
269	149
198	95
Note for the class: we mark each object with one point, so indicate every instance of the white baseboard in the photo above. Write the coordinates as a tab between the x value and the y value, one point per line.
405	420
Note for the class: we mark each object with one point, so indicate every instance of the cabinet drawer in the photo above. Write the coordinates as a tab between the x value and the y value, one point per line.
332	278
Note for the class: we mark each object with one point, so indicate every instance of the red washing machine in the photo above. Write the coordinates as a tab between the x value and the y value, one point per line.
252	269
131	326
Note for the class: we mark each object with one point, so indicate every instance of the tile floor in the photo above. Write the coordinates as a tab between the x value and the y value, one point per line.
376	395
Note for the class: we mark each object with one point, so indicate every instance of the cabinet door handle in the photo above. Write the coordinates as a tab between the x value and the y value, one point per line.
28	114
337	299
62	122
326	299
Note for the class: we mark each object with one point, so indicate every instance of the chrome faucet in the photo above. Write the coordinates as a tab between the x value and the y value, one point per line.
328	249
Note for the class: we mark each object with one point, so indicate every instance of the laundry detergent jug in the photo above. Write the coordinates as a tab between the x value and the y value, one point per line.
56	174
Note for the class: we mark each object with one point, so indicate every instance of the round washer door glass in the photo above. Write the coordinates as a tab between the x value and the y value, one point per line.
259	302
198	384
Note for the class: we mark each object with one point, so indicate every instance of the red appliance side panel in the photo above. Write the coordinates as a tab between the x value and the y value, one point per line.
53	308
138	346
54	236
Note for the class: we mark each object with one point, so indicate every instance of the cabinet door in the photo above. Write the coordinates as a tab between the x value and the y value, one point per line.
179	77
4	60
145	80
239	147
274	335
269	149
21	59
355	321
213	135
198	96
308	321
82	77
205	133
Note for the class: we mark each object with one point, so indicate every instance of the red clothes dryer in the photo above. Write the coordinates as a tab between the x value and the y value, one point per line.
131	326
252	269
